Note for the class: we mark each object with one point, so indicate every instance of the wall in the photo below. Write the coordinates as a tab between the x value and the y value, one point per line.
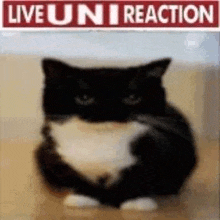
21	81
190	47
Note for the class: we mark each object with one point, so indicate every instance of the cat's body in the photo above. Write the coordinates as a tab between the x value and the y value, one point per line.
109	135
97	151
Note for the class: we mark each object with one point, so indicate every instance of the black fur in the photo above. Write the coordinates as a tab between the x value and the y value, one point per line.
166	155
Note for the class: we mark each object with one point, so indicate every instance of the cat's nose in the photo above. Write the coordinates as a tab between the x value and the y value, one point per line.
102	180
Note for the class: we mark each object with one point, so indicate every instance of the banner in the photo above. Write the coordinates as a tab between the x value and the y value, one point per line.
157	15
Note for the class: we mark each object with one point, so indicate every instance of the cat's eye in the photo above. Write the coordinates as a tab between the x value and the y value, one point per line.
84	100
132	100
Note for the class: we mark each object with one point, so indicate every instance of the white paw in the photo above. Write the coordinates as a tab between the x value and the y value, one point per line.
80	201
145	204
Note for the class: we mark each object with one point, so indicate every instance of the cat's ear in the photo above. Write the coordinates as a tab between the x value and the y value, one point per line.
157	68
54	69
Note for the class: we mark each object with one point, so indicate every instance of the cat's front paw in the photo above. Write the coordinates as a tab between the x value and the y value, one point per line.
80	201
144	204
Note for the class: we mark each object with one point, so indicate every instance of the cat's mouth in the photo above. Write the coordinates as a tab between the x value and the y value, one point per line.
100	125
117	120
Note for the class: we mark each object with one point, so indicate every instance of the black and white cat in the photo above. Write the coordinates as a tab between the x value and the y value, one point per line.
110	137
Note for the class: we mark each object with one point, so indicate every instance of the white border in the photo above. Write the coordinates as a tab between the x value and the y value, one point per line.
109	0
1	14
177	29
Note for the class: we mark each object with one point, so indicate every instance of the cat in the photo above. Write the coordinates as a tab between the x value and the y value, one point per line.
110	137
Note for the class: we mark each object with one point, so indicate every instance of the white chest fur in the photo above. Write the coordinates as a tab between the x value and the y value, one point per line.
96	149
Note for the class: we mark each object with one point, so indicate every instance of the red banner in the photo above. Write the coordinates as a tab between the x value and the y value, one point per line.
111	14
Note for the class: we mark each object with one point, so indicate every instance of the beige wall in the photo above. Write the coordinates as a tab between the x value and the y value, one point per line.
190	87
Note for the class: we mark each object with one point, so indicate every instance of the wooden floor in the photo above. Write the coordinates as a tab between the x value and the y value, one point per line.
24	197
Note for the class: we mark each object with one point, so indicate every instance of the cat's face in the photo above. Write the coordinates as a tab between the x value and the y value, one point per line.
105	94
